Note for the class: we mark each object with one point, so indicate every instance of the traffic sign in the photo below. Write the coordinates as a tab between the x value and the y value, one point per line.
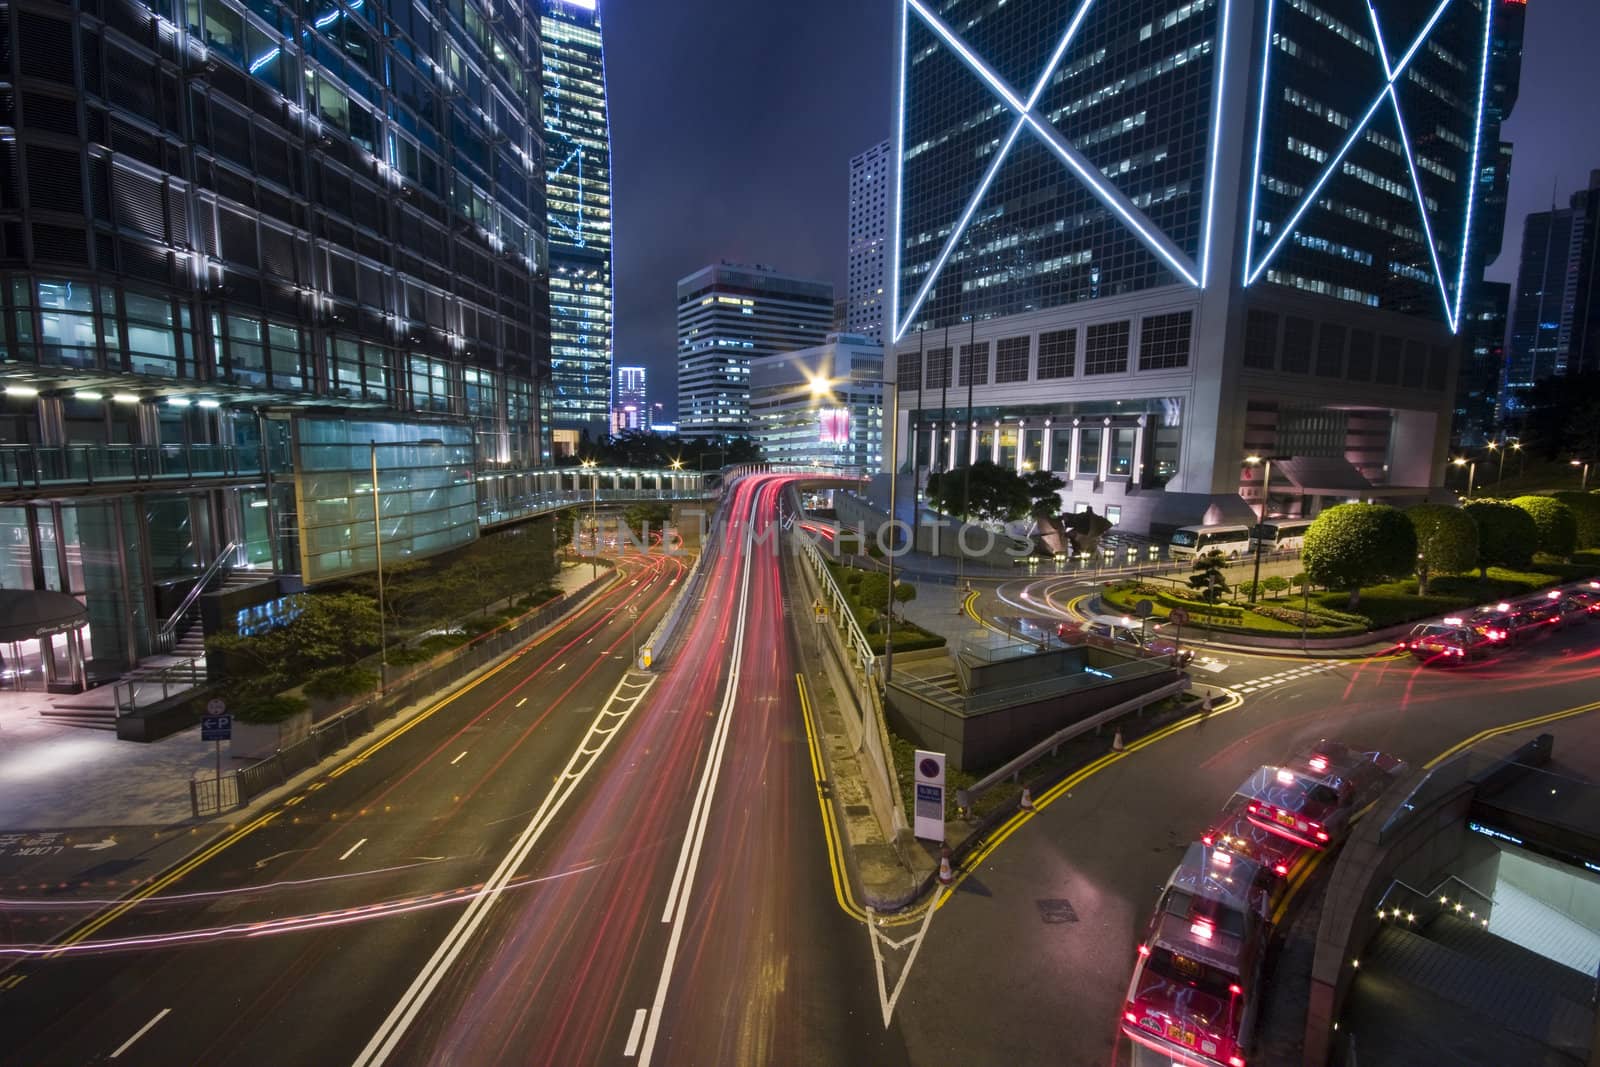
1179	616
216	727
215	706
1144	609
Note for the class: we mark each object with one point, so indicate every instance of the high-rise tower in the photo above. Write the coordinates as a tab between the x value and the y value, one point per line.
871	180
578	182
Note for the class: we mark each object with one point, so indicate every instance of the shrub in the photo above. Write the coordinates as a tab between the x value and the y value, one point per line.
269	709
1506	534
1350	545
1275	584
1292	616
1585	508
1554	521
336	682
1447	541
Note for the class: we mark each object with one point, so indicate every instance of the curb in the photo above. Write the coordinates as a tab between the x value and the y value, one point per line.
1375	645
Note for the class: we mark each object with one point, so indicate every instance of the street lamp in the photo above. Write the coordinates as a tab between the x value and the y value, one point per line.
1261	518
1500	472
1585	465
594	514
1472	472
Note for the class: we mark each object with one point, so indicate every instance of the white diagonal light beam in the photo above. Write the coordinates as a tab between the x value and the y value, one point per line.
994	168
1338	158
1477	141
1107	194
1411	165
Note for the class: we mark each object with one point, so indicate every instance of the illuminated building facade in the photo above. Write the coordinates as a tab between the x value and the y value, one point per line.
871	180
1555	318
578	180
630	405
728	315
822	406
244	246
1160	236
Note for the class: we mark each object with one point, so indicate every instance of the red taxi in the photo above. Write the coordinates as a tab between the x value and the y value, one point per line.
1311	799
1196	984
1234	832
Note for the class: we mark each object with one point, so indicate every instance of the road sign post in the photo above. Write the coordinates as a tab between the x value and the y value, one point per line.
217	726
1179	616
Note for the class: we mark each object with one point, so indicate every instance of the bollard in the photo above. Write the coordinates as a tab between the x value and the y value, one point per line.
1116	741
946	875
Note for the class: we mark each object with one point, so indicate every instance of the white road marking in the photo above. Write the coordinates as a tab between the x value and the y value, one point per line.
700	814
459	758
887	1000
561	668
351	851
145	1029
404	1013
521	702
635	1031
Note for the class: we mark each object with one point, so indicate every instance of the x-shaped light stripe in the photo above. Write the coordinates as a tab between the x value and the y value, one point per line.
1104	191
1253	272
1411	165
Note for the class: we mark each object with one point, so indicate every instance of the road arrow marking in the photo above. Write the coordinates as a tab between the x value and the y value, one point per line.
96	846
886	999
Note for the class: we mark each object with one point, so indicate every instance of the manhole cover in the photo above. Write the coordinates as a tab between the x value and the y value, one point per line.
1056	910
857	809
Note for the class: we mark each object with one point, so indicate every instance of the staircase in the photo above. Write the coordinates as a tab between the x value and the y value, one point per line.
1459	961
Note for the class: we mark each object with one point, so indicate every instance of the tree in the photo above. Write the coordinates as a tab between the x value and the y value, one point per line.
1585	508
1275	584
1557	528
873	590
1208	578
1045	490
1248	590
983	491
1506	534
904	592
1447	541
1352	545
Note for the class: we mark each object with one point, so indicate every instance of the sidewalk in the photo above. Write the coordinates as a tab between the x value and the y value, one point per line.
60	776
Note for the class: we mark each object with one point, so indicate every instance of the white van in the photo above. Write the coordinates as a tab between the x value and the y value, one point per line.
1190	541
1282	535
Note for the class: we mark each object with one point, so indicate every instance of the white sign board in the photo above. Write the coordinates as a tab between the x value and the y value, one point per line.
928	821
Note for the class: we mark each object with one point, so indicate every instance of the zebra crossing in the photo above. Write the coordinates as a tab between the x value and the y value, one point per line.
1267	681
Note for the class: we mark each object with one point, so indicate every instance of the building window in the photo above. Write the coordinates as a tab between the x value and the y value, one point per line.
152	343
1359	369
1164	341
909	371
1261	340
1011	360
1415	366
938	368
975	364
1061	449
1296	344
1089	451
1058	351
1106	348
1330	351
1123	440
1114	514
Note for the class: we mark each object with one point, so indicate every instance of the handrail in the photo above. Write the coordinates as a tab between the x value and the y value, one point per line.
837	602
169	628
1017	765
1442	883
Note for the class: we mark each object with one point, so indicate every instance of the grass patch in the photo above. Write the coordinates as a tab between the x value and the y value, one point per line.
1281	618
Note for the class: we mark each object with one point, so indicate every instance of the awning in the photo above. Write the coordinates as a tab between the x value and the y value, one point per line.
28	613
1325	475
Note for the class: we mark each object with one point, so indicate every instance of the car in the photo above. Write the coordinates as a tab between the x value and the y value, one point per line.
1537	613
1493	622
1313	798
1198	975
1125	633
1233	831
1446	642
1588	595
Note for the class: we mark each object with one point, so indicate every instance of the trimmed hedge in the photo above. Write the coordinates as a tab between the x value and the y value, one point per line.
335	682
269	709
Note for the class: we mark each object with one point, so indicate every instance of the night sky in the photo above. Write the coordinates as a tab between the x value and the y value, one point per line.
733	124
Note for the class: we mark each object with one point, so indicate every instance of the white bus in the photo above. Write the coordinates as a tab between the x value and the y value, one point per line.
1282	535
1190	541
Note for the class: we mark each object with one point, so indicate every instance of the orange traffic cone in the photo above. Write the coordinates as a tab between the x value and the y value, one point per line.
1026	803
946	875
1116	741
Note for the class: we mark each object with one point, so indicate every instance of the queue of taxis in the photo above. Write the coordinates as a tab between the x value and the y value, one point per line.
1459	638
1198	978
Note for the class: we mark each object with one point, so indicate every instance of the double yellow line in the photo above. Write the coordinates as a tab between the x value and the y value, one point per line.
830	828
1509	728
104	918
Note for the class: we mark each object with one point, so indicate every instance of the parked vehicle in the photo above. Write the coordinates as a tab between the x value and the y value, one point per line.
1191	541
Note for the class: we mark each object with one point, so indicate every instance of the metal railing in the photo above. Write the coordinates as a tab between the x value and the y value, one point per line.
425	680
1013	768
855	640
167	633
37	466
142	690
1423	906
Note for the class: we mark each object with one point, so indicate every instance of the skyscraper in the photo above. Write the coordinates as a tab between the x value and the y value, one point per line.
630	406
247	260
578	176
1483	323
729	314
1160	237
870	184
1555	317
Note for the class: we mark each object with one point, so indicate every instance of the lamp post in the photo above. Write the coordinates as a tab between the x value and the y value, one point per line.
1266	489
1585	465
1472	472
1500	471
594	514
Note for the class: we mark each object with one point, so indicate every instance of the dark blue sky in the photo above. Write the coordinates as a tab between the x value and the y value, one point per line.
732	127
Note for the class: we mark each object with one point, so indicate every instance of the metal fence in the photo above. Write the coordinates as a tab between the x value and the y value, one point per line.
208	796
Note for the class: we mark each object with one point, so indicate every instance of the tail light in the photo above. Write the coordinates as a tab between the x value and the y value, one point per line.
1235	1061
1235	989
1282	868
1144	950
1202	930
1322	835
1131	1017
1254	808
1206	840
1318	763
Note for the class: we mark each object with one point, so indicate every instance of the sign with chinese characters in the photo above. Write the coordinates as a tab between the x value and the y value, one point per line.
928	821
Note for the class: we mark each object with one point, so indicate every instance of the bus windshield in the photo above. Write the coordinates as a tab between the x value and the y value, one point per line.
1186	538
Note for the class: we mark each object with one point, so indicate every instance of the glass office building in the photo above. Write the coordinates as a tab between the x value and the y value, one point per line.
222	221
822	406
578	180
1150	239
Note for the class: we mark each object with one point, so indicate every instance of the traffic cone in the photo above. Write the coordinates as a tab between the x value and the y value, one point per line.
946	875
1026	804
1116	741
